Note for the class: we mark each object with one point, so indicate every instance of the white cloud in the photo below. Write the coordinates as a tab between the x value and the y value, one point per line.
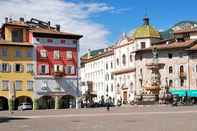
73	17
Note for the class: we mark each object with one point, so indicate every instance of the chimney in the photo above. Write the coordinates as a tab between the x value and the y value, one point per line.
6	19
49	23
10	20
146	20
22	19
58	27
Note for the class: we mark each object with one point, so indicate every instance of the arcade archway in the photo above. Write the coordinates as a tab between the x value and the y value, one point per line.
3	103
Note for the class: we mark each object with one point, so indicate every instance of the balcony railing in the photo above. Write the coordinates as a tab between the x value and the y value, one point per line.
58	73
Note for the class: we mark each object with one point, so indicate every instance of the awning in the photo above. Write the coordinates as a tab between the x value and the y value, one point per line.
182	92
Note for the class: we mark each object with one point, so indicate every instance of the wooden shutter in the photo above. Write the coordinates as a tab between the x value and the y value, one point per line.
47	69
9	68
73	70
21	68
1	68
61	68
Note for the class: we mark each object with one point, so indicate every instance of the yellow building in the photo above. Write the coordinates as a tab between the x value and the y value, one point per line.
16	65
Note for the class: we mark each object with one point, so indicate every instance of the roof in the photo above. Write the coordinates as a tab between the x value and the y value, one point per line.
52	31
17	23
168	34
4	42
185	31
94	52
173	45
146	31
193	48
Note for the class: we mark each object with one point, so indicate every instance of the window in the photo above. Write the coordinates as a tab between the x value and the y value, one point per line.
107	89
18	85
5	84
44	85
170	56
124	59
117	61
18	53
44	69
170	83
19	68
30	68
111	65
112	76
5	67
30	85
170	70
43	53
107	77
131	57
143	45
4	52
17	35
112	88
106	66
29	52
181	69
68	55
70	69
58	68
56	54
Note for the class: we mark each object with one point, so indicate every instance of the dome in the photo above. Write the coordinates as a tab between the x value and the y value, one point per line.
146	31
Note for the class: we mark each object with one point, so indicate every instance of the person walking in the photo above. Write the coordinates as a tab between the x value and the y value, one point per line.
108	104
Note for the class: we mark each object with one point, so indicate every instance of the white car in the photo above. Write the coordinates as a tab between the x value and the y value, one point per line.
25	106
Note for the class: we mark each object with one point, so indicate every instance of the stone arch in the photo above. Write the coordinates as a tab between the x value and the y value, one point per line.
67	101
3	103
22	99
46	102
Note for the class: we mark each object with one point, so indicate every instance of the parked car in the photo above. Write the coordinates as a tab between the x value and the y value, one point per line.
25	106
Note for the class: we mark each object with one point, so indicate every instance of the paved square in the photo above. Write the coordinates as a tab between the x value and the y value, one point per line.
153	118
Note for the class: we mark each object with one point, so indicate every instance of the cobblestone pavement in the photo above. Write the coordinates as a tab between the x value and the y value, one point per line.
130	118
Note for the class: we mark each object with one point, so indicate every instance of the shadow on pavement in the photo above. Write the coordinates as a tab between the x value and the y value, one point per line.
8	119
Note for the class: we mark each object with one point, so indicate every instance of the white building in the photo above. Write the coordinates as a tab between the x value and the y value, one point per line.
121	71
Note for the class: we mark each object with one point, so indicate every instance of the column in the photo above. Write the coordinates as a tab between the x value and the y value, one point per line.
10	104
35	104
77	103
57	102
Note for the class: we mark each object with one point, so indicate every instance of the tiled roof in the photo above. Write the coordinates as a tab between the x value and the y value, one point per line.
3	42
146	31
193	48
185	31
172	45
52	31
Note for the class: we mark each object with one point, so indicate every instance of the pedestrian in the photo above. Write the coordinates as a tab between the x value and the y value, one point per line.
108	106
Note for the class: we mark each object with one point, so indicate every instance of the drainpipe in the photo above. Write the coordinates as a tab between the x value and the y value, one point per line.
77	71
188	75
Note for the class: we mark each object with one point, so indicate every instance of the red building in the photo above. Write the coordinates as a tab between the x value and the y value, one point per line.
56	60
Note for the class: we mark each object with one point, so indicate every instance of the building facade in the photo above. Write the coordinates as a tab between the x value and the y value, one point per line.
135	55
41	64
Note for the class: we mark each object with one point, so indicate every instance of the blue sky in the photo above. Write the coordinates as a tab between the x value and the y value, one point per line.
101	22
163	14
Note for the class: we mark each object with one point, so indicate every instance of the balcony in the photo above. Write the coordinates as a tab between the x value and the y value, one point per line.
58	73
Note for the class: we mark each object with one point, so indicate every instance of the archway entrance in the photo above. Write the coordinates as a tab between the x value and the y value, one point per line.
22	99
67	101
46	102
3	103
